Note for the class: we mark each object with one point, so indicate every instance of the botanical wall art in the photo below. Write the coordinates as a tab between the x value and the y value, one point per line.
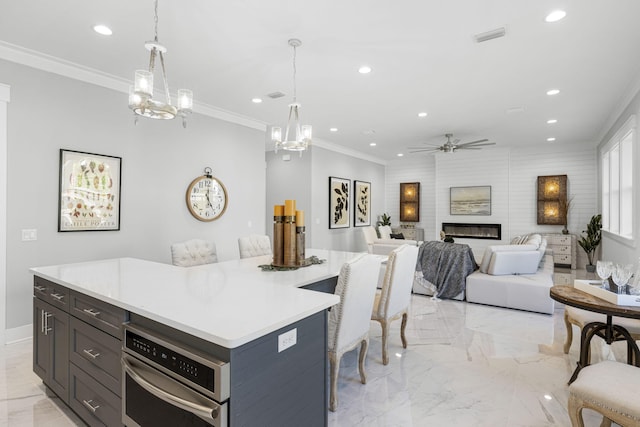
89	198
362	203
470	200
338	202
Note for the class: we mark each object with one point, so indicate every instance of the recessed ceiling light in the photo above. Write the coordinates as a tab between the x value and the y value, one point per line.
372	144
551	139
423	114
552	121
400	154
102	29
555	16
333	129
365	69
552	92
256	100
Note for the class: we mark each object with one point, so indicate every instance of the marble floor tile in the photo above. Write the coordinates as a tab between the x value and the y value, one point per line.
466	365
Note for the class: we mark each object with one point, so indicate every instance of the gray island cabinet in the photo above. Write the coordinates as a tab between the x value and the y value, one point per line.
267	332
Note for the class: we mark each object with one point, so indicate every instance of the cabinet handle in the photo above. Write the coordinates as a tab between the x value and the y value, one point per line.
58	296
91	354
91	311
47	329
42	321
92	408
39	288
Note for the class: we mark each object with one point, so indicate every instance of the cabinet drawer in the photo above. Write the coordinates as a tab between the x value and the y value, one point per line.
559	239
561	249
53	293
561	259
97	353
98	313
96	405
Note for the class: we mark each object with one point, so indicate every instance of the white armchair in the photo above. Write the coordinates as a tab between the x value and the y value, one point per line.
384	244
349	321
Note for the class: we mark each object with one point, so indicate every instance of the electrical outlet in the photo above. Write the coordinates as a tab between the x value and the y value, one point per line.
287	339
29	234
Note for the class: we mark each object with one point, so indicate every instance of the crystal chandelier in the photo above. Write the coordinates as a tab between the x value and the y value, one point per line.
302	133
141	93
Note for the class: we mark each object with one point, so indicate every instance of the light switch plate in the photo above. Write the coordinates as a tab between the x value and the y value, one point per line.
287	339
29	234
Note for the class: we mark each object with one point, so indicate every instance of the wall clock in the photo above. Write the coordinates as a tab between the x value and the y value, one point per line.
206	197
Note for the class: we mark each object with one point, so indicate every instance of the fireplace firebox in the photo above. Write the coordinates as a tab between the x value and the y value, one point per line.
473	231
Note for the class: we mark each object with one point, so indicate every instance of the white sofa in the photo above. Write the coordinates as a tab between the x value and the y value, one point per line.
514	276
384	244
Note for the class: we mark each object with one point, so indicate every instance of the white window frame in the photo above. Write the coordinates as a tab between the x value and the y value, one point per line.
616	181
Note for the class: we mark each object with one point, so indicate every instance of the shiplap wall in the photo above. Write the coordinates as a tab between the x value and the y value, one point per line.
512	174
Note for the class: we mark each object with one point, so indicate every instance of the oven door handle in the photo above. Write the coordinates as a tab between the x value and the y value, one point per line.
138	371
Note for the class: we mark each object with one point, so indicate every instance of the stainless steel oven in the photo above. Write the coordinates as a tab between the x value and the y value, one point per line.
168	384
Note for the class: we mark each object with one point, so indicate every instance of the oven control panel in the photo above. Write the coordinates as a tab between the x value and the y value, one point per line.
181	363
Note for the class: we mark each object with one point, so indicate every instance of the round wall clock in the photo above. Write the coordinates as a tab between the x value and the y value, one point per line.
206	197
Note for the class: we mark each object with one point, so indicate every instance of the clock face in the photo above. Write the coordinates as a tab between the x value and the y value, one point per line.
206	198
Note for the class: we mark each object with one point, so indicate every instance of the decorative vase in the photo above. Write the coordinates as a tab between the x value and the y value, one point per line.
591	268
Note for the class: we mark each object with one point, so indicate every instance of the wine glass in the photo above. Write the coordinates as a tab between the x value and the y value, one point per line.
604	269
621	275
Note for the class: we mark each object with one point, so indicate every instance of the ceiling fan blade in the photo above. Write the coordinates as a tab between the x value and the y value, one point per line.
477	145
424	147
474	142
419	150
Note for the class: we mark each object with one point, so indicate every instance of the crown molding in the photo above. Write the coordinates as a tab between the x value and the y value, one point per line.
632	91
72	70
347	151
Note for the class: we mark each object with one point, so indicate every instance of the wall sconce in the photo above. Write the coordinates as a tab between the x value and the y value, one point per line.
552	200
410	202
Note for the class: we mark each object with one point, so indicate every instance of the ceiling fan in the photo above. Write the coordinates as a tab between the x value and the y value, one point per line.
452	145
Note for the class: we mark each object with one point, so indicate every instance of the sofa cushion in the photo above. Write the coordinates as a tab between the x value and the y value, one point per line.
533	239
397	236
490	250
385	231
518	240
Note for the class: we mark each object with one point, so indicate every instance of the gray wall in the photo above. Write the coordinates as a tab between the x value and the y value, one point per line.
48	112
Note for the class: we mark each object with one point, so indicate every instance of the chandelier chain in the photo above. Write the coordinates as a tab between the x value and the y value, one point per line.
156	20
294	74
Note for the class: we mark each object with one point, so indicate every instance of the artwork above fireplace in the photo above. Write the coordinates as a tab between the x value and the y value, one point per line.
473	231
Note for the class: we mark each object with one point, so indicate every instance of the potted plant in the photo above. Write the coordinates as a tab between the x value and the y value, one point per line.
590	239
384	220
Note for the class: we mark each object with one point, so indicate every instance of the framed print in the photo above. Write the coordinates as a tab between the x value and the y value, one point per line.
470	200
410	201
89	196
361	203
338	202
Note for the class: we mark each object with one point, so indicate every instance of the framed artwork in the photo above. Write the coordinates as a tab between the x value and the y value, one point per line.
339	202
89	196
553	205
361	203
409	201
470	200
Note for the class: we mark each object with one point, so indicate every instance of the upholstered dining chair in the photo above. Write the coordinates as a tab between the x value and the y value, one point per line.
193	252
349	321
392	302
579	317
254	245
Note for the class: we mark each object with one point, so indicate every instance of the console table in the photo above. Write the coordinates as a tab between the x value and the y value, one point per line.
564	249
607	331
410	233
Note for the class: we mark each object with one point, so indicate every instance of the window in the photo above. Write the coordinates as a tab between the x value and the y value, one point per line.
617	181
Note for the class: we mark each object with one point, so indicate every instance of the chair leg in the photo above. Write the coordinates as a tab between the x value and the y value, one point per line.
606	422
385	335
334	367
567	344
575	411
364	345
402	329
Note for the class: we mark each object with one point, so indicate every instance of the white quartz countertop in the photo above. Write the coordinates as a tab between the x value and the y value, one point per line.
228	303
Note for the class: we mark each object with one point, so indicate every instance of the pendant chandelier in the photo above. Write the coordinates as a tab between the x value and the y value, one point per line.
141	94
302	133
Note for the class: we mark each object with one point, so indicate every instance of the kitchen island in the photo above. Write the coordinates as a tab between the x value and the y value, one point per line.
267	333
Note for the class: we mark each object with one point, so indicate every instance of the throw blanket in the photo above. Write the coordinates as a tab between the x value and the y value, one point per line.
446	265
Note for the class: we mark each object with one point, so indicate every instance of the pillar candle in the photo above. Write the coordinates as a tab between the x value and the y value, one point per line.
289	208
299	218
278	210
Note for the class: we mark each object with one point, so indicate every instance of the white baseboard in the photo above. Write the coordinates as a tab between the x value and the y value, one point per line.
18	334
